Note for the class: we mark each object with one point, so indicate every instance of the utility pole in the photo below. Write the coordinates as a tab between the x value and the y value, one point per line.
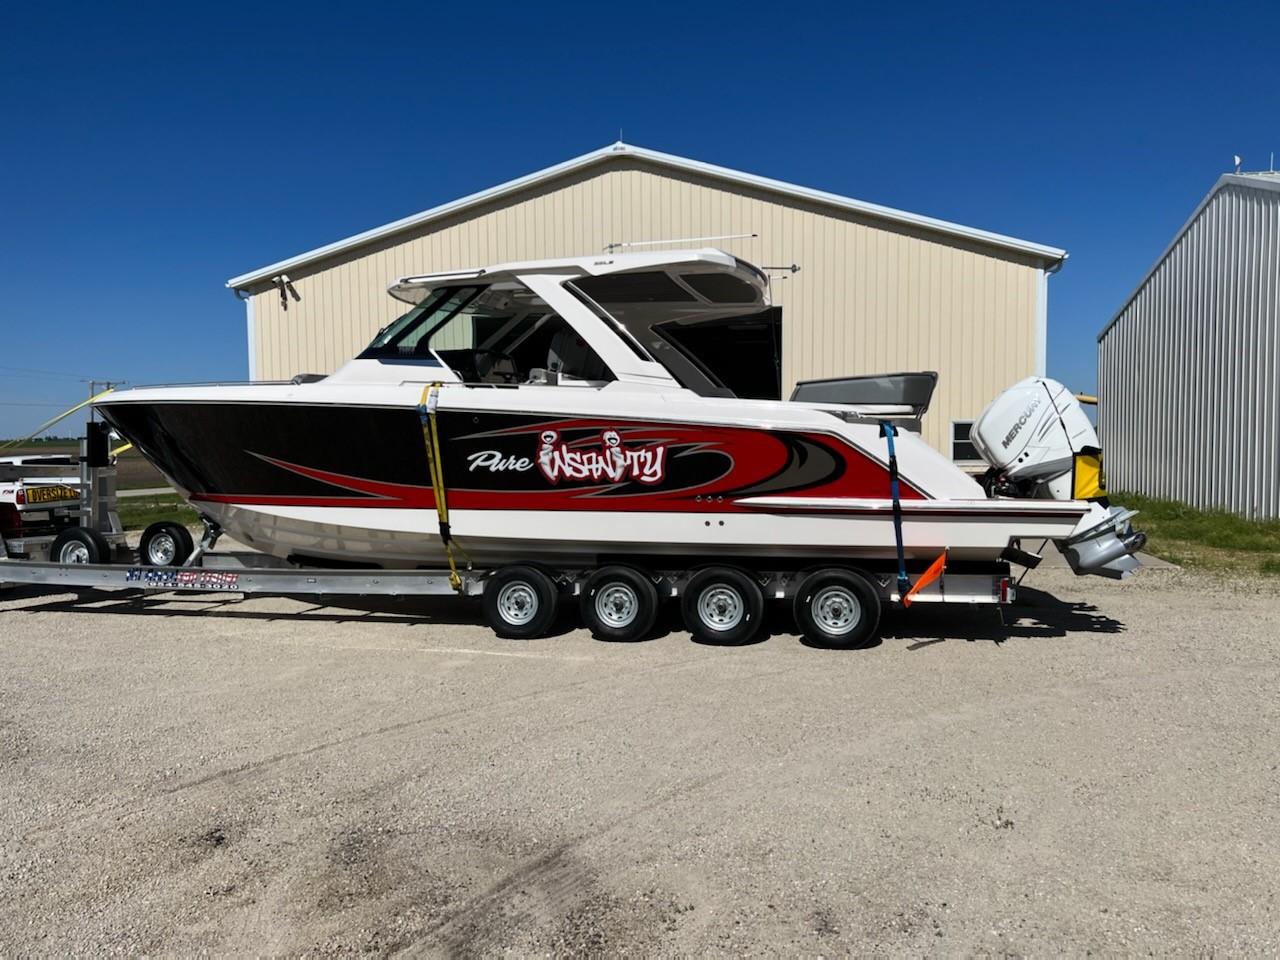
96	387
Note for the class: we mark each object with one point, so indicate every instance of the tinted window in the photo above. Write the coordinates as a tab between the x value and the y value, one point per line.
721	287
407	337
655	287
743	354
962	447
623	333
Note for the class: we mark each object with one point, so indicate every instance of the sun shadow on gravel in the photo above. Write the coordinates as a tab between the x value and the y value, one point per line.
1035	616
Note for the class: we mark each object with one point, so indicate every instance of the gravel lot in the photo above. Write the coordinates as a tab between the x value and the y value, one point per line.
271	776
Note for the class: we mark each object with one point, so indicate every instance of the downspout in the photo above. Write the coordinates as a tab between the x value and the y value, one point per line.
251	332
1042	316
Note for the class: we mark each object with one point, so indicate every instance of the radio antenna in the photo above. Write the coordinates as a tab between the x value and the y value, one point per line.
624	244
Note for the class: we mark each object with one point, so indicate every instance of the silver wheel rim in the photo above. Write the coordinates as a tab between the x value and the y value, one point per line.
517	603
721	608
162	549
74	552
617	605
836	610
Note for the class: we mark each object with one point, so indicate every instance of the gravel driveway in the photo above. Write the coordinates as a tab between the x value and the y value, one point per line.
270	776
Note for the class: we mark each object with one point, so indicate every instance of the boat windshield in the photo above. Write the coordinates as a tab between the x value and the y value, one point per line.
497	334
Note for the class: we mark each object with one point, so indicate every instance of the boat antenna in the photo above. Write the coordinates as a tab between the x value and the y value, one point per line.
623	244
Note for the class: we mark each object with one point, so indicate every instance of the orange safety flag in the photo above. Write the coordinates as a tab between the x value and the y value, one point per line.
933	573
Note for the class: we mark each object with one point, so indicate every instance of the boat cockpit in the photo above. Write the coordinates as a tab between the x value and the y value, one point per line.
629	317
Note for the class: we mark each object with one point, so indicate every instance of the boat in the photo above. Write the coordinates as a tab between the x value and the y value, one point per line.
581	416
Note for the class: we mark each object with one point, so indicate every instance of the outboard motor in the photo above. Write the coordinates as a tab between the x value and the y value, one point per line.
1040	445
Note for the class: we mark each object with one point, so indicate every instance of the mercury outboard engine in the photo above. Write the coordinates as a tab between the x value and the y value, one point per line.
1040	445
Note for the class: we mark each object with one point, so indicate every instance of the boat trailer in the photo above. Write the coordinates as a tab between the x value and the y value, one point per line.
619	599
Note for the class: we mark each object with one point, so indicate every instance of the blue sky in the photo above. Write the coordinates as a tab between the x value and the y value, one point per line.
150	151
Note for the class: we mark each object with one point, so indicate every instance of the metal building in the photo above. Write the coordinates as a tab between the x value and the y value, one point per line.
1189	395
878	289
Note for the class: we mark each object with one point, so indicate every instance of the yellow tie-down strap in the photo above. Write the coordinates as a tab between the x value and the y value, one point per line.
49	423
1089	480
431	439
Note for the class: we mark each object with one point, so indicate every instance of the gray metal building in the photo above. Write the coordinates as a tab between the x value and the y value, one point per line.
1189	368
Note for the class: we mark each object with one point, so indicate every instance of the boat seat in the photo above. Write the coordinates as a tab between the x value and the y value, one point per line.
570	356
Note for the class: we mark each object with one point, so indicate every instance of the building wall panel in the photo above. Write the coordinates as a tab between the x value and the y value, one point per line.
1187	372
871	296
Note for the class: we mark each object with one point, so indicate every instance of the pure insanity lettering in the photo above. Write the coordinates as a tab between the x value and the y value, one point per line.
611	461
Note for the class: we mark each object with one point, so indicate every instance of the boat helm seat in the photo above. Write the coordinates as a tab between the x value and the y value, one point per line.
570	356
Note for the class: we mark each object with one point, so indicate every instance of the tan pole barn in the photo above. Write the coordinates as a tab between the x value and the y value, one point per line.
878	290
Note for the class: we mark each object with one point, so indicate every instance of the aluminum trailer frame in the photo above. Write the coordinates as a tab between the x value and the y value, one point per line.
251	573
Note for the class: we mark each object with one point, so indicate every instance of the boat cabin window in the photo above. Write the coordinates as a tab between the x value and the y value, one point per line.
648	287
717	344
743	355
500	334
721	287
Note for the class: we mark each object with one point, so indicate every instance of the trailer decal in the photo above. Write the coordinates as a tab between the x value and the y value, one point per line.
182	579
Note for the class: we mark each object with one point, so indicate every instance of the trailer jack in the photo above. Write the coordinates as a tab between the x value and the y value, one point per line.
208	540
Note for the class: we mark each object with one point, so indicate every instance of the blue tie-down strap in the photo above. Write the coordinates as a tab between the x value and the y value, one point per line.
888	431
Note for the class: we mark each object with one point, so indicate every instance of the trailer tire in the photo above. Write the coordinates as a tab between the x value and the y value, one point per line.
520	602
80	545
165	544
722	605
619	604
837	608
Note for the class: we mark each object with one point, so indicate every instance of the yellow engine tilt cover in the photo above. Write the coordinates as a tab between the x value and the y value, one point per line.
1090	479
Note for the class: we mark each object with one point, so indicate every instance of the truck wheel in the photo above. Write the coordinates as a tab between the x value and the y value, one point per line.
619	604
722	605
520	602
837	608
165	544
80	545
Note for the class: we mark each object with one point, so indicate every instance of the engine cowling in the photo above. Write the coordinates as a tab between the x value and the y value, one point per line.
1040	444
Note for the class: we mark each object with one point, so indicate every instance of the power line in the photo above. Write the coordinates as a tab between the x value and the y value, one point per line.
29	403
45	373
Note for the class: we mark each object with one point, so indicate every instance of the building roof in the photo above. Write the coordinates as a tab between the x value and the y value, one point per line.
1256	180
620	150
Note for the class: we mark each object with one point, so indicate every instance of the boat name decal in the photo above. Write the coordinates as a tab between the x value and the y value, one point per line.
612	461
496	462
1022	422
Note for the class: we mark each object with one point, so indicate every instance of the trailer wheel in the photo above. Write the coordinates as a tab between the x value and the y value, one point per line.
837	608
619	604
165	544
722	605
520	602
80	545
